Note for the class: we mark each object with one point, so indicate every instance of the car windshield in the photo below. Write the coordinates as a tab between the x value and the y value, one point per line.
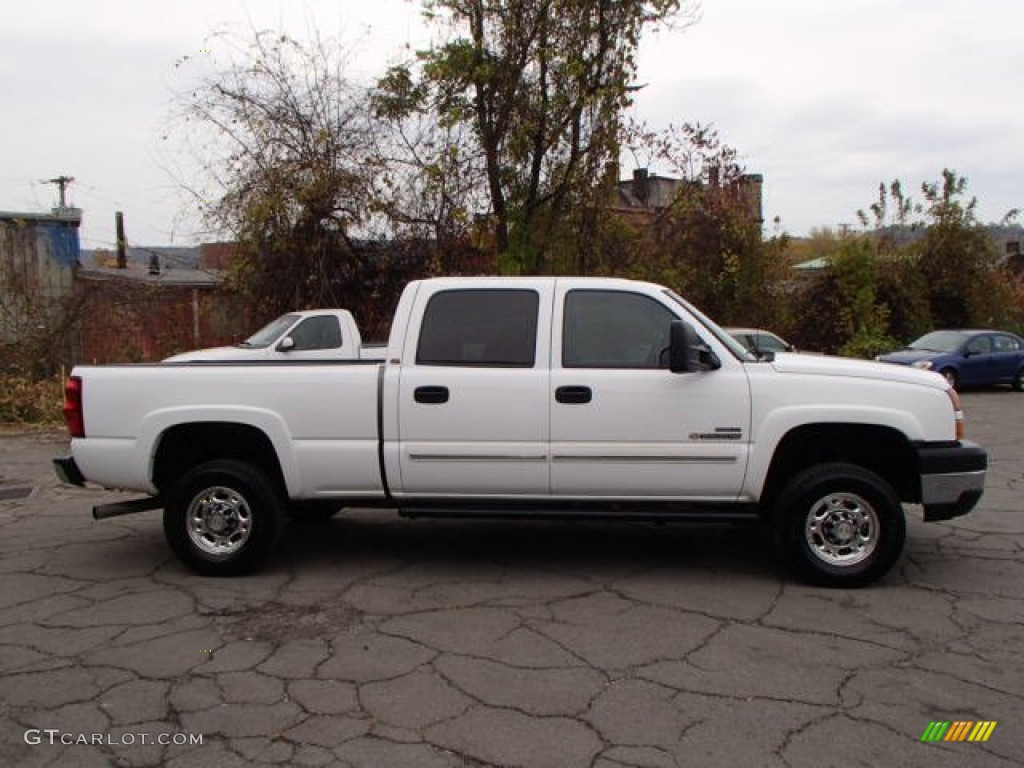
769	342
269	333
940	341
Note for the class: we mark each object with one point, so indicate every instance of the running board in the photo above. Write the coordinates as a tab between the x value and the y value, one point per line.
103	511
730	513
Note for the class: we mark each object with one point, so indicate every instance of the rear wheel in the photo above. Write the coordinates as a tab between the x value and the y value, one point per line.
223	518
840	525
1018	381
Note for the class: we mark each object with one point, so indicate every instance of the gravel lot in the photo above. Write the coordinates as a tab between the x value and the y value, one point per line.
376	641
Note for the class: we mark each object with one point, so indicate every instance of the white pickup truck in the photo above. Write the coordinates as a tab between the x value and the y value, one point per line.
313	334
531	397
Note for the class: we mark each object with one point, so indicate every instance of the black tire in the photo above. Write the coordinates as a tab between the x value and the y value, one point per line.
840	525
1018	381
951	377
223	518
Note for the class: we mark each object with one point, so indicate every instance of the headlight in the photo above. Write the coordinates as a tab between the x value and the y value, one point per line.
926	364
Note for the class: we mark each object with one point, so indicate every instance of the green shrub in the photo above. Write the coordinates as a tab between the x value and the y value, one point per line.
867	345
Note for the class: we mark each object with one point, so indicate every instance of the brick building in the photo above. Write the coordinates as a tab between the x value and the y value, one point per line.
147	312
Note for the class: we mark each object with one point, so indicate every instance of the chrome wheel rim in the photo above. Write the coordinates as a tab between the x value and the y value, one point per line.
219	520
842	529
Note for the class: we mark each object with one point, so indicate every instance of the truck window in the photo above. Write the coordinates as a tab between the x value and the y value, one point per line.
614	329
480	328
322	332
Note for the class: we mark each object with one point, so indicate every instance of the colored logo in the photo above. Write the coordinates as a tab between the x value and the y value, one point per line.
958	730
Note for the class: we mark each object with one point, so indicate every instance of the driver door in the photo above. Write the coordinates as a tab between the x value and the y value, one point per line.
623	425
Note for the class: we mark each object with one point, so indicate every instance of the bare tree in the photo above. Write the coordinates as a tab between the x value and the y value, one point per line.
287	140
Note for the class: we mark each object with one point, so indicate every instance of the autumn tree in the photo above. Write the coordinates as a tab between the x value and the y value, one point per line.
542	85
918	265
706	241
939	249
431	192
291	150
959	260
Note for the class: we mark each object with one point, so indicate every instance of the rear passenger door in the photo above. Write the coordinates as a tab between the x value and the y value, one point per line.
1006	355
473	416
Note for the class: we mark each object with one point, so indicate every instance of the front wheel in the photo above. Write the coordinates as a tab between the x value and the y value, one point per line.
1018	381
223	518
840	525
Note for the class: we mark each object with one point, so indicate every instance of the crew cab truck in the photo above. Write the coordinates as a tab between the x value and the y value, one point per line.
533	397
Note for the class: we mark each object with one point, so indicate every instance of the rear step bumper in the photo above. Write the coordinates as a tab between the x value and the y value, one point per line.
103	511
67	470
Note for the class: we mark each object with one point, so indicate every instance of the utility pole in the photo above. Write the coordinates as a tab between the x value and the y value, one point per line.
62	182
122	260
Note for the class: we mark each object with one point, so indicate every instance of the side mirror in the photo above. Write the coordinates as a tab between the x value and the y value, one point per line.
286	344
686	352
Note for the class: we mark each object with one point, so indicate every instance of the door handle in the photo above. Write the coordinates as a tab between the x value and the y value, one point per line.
430	395
573	395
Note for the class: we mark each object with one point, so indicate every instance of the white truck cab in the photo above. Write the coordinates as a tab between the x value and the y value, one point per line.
314	334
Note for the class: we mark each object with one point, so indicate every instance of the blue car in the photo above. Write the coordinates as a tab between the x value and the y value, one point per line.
967	358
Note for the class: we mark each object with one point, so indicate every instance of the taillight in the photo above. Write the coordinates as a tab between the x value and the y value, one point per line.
958	413
73	415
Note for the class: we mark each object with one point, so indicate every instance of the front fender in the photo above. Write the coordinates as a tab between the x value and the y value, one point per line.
782	420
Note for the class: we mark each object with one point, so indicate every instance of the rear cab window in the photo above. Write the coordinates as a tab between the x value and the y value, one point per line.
480	327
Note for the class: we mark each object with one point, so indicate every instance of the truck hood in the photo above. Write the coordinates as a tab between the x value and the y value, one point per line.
218	353
822	365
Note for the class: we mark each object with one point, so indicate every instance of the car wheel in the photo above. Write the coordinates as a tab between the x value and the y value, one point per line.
951	377
1018	381
223	518
840	525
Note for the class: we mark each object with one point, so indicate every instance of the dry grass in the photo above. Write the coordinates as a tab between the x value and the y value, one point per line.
25	401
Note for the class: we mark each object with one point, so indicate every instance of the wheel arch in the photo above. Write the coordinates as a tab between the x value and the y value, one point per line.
183	447
883	450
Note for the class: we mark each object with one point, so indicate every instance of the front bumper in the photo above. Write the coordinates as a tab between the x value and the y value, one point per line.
952	478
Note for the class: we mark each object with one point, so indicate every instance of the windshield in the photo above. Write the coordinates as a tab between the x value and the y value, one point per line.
940	341
269	333
734	346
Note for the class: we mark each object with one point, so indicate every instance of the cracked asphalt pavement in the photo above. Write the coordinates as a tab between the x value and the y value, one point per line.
376	641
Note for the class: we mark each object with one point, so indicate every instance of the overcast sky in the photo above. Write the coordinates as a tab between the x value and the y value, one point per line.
826	98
